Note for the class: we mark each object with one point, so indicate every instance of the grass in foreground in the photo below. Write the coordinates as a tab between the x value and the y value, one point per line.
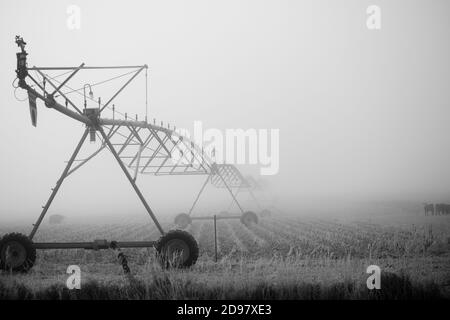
163	287
419	278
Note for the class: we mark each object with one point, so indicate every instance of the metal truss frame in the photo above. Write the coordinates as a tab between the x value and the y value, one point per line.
138	146
229	177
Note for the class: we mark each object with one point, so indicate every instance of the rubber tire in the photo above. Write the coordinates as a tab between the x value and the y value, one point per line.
249	218
27	244
265	213
183	236
183	220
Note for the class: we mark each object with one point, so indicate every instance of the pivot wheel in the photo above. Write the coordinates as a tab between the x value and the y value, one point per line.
249	218
17	253
183	220
177	249
265	213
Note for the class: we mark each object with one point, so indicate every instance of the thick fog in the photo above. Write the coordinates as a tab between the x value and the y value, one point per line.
362	114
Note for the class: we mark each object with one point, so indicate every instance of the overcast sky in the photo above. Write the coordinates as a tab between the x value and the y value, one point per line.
362	113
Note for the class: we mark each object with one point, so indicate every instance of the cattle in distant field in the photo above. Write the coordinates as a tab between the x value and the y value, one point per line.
428	208
56	219
442	208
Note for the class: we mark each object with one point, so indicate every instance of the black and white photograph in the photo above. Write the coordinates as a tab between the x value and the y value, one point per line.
225	155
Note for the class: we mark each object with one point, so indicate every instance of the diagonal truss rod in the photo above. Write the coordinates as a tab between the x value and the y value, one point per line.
123	87
58	89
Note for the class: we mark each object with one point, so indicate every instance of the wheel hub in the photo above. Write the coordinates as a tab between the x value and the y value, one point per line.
177	251
14	254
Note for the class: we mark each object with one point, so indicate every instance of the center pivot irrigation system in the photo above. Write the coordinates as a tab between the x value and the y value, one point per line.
139	147
226	176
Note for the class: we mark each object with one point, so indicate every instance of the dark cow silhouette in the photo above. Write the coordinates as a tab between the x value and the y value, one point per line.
442	208
428	207
436	210
56	219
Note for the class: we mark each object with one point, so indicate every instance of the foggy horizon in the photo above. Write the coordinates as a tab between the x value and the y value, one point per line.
363	115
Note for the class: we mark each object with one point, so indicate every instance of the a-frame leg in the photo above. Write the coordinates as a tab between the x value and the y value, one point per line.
252	195
58	185
232	201
255	199
198	195
130	178
230	191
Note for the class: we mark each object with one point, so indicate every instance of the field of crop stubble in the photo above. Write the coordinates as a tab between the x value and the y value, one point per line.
282	257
